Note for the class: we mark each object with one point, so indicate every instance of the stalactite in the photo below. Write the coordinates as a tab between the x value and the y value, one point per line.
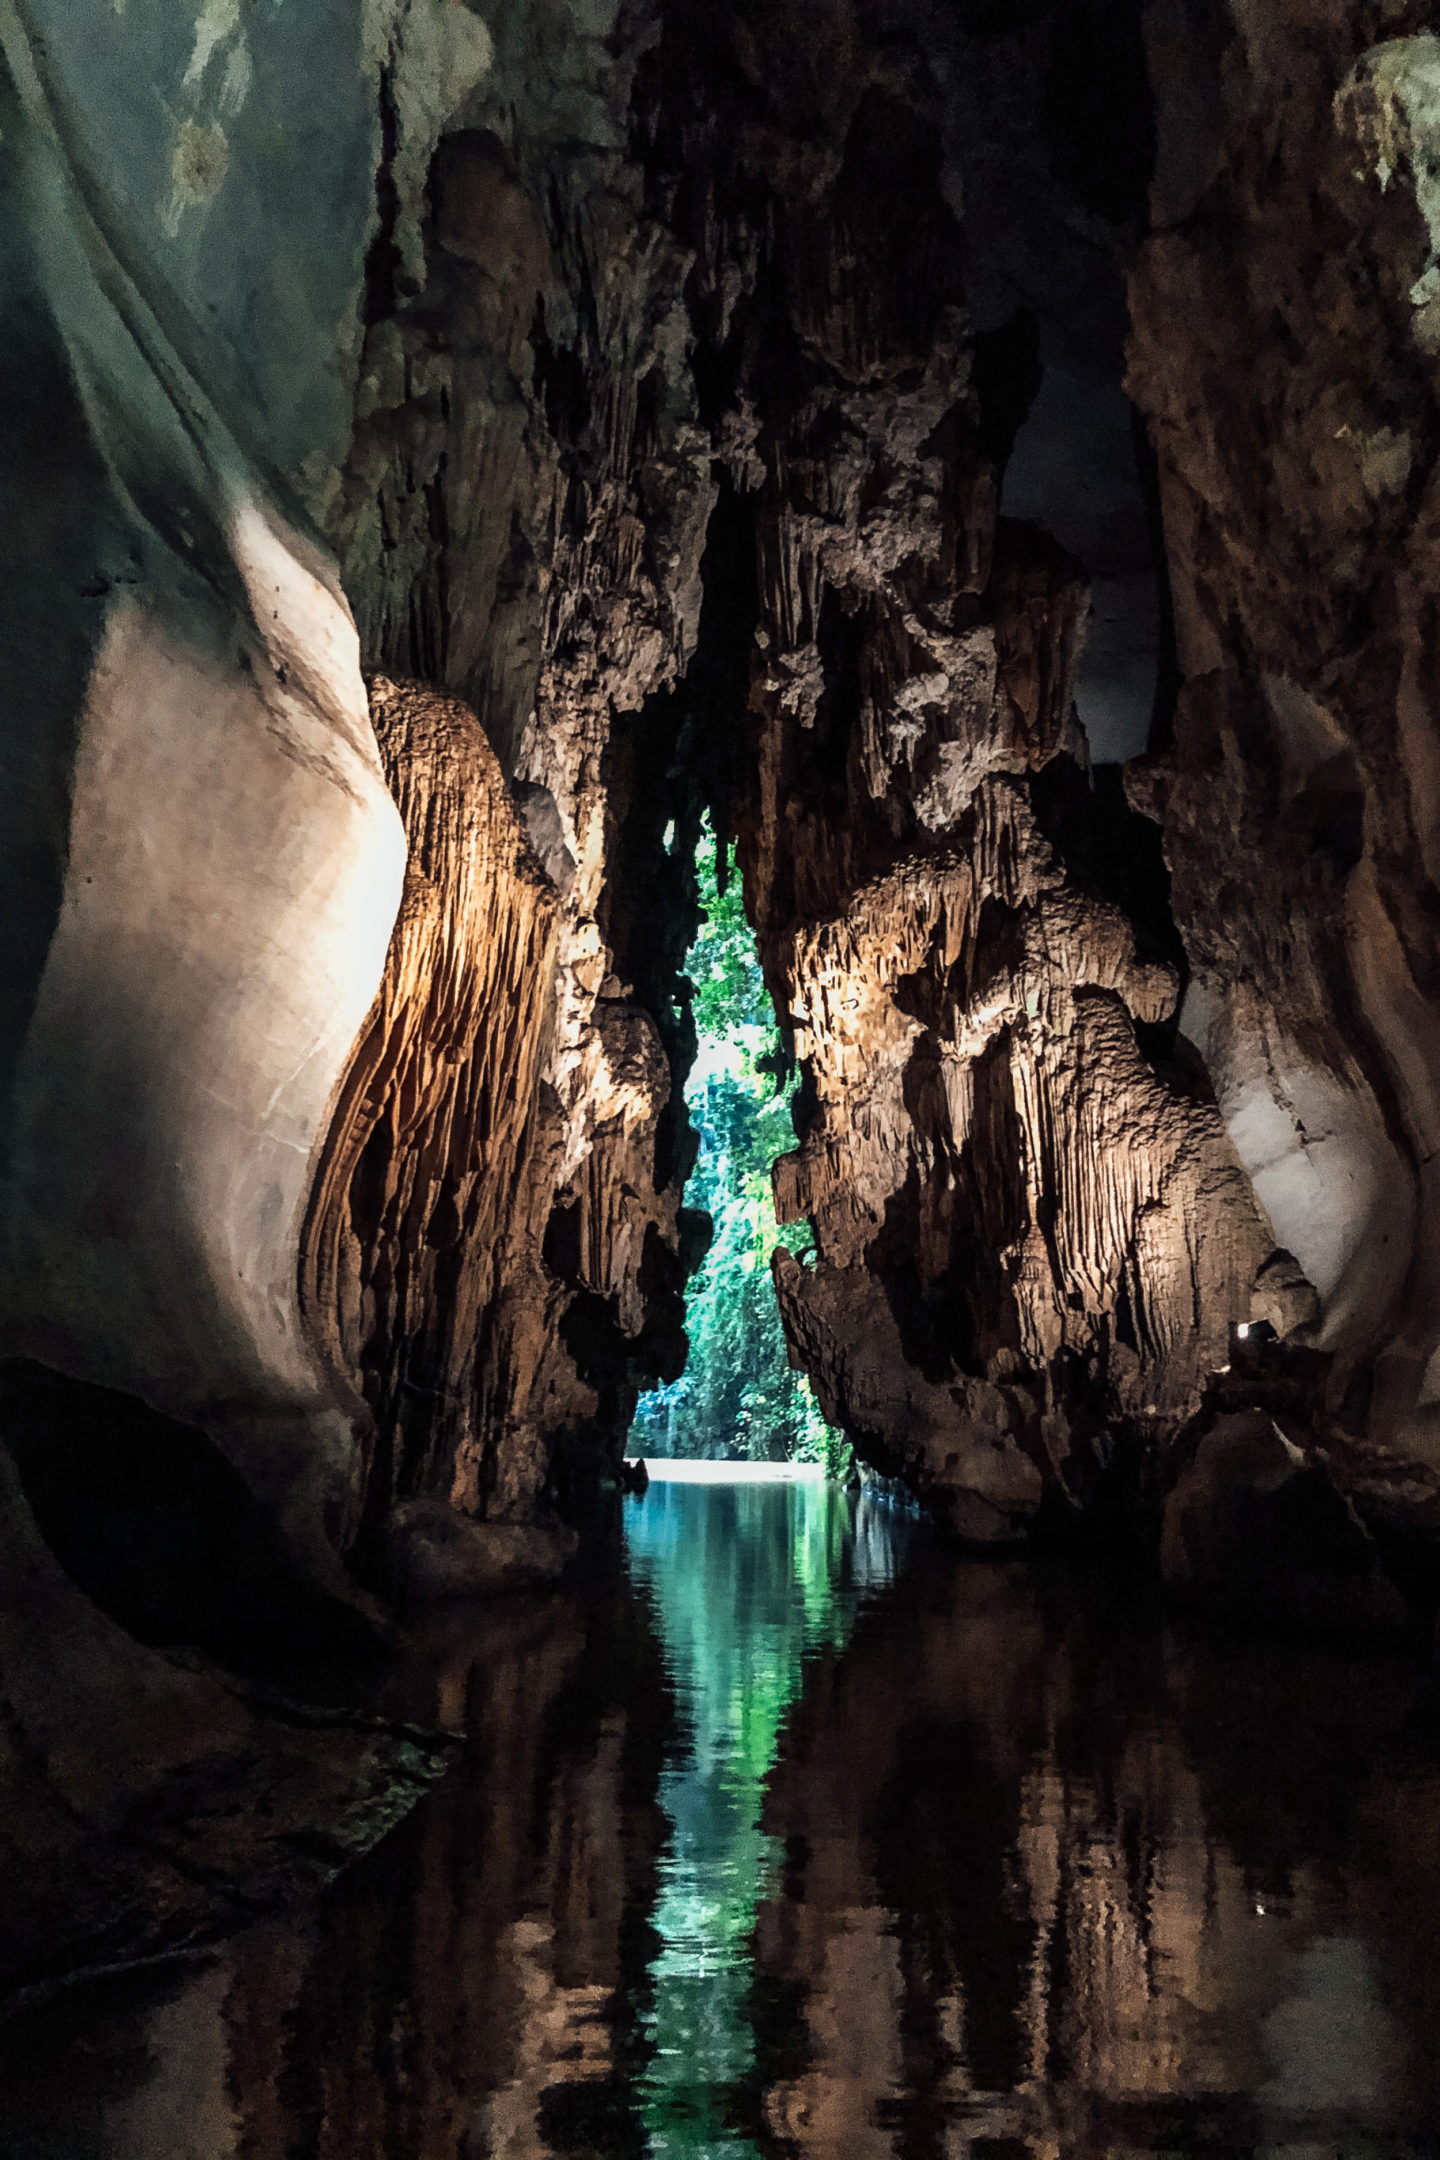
420	1264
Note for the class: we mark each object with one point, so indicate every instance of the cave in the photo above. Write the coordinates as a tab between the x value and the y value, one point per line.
723	749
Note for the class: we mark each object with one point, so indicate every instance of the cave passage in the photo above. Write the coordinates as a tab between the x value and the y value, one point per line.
739	1399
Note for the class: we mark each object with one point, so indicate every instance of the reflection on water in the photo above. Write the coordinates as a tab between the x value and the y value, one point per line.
1063	1883
776	1856
747	1580
464	1991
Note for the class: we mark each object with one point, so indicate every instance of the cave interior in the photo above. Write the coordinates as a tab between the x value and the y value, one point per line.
975	465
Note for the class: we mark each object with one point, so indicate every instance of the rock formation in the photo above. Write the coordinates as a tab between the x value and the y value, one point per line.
275	1184
1032	1234
520	518
588	404
1295	233
420	1259
151	1804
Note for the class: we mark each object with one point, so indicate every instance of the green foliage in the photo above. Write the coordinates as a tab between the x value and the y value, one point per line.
739	1398
729	989
748	1582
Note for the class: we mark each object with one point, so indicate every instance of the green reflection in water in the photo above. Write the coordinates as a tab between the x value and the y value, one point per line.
748	1581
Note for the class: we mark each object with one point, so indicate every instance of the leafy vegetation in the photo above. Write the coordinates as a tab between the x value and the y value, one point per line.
749	1582
738	1399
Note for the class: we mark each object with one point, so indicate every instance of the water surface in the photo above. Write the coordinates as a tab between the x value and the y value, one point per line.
748	1580
811	1841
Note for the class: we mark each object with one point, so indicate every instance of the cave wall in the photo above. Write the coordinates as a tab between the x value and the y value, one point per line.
292	1122
201	864
202	857
733	320
414	521
521	518
1295	233
420	1260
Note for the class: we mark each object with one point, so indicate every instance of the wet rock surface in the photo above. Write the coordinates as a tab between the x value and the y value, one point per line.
152	1803
1256	1529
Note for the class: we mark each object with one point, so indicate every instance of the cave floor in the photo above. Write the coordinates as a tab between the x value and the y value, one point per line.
795	1838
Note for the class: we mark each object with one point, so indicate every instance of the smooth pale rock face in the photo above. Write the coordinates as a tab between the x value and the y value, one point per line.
232	888
1330	1178
228	869
200	866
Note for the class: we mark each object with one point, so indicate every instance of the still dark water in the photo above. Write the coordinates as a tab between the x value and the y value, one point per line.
809	1841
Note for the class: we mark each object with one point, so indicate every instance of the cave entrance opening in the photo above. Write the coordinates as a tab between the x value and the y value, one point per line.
738	1400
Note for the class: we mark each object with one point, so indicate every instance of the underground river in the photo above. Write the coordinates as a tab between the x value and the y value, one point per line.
795	1837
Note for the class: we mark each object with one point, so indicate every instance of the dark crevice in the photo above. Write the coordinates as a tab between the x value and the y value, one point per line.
1168	678
1110	848
1006	374
669	764
1097	111
382	263
159	1528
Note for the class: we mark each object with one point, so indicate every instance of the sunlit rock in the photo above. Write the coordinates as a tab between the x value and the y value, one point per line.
421	1273
206	916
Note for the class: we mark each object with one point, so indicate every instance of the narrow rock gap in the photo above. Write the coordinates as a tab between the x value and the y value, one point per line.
739	1399
675	917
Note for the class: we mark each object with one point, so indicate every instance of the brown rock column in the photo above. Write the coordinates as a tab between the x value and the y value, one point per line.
421	1272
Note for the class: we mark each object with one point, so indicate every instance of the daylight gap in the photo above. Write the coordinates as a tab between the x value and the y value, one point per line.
738	1399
